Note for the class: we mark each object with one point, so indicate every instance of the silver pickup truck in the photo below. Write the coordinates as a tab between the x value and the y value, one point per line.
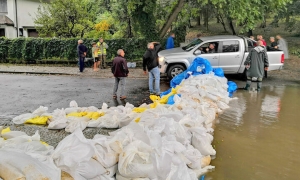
230	54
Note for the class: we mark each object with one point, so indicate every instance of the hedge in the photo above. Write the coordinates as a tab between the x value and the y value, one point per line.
32	49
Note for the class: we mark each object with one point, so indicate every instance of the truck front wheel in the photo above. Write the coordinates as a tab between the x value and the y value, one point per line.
174	70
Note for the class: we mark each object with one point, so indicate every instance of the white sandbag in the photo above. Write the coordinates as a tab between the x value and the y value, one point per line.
13	134
94	123
135	161
108	121
15	165
71	151
73	104
120	177
58	119
90	169
22	118
194	156
103	153
76	122
39	111
202	140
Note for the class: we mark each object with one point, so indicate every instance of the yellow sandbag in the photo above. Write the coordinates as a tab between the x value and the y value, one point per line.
154	98
139	110
44	143
39	120
6	130
77	114
137	120
153	105
165	98
94	115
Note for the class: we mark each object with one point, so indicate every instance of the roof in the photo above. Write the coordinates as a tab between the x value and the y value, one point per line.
215	38
4	20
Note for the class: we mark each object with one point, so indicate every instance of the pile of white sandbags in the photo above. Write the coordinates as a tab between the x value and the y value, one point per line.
157	141
25	157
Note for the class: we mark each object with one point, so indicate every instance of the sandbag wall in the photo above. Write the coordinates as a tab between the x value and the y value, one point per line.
168	139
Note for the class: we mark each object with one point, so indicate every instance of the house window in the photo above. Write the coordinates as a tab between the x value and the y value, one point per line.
2	32
3	6
32	33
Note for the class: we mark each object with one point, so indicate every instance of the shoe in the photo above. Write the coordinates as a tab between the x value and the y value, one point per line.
123	97
152	93
247	87
115	96
157	94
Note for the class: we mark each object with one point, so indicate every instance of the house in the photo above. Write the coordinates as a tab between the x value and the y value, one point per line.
17	18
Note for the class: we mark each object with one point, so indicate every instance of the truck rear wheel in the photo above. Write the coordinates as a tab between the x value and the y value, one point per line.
174	70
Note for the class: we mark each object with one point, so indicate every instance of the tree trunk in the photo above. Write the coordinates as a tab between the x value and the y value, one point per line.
171	18
220	18
129	29
206	19
250	33
231	26
287	18
198	20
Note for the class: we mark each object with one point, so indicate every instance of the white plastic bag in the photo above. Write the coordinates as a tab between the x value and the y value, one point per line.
16	165
90	169
22	118
39	111
76	123
71	151
103	153
135	161
202	140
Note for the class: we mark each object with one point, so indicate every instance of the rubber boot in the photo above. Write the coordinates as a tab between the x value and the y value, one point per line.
247	87
258	86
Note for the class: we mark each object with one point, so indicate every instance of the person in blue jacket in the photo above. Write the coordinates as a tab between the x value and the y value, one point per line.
170	41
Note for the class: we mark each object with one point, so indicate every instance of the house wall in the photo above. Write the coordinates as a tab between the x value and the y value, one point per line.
26	13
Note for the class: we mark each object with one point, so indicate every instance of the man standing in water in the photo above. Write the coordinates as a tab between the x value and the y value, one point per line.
256	63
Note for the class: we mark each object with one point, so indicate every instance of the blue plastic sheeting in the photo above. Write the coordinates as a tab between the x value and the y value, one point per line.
219	72
232	87
199	66
165	92
171	99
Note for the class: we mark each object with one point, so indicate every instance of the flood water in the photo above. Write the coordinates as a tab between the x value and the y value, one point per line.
258	138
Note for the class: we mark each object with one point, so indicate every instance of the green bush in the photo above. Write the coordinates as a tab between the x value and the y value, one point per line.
30	49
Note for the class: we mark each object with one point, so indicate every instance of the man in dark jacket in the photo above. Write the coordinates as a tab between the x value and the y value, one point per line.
256	63
81	50
120	71
150	60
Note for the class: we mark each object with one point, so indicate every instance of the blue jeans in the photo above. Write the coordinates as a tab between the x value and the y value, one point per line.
81	64
154	74
122	81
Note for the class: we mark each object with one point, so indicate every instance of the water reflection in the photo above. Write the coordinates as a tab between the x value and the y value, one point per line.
258	137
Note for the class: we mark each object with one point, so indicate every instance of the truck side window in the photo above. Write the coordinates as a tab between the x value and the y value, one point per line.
230	46
210	47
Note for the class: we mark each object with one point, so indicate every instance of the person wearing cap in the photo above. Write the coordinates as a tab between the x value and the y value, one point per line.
102	52
81	50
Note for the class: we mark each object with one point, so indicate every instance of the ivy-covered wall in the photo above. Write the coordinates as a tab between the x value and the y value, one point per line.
29	49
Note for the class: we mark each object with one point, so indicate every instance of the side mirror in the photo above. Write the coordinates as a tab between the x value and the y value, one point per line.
197	52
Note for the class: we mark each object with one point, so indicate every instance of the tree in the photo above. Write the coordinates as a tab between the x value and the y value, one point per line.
66	18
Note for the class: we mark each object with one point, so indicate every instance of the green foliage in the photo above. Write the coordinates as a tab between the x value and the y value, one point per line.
66	18
4	44
15	48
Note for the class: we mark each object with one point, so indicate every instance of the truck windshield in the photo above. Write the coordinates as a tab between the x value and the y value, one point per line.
192	44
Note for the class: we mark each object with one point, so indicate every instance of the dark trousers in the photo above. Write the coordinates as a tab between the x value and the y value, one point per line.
81	64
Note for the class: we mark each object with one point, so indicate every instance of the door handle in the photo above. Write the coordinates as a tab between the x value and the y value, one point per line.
215	57
237	56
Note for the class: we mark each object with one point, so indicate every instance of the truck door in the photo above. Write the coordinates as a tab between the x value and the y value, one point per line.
213	57
231	56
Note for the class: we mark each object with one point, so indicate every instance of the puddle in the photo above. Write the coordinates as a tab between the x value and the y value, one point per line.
258	137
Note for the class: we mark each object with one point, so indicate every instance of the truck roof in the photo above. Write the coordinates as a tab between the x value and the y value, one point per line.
219	37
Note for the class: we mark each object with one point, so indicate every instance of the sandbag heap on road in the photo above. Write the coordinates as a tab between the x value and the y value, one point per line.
168	139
